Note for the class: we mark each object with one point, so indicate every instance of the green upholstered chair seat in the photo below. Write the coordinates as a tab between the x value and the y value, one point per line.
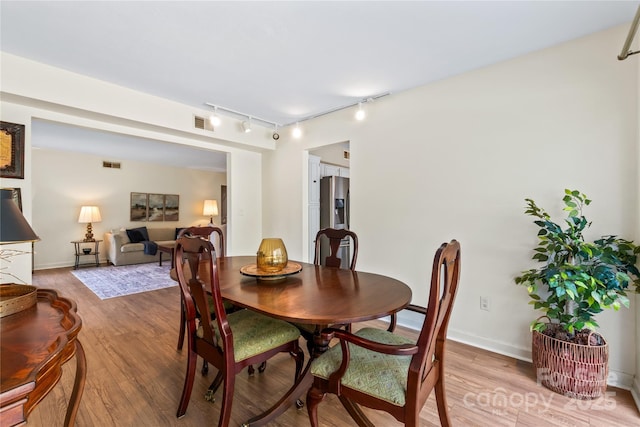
255	333
375	374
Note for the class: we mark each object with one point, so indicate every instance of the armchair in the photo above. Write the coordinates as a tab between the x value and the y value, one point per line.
380	370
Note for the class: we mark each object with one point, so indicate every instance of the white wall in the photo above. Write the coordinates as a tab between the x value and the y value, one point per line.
245	203
64	181
456	159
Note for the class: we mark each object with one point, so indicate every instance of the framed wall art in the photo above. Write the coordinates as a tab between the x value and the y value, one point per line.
171	207
139	206
155	207
11	150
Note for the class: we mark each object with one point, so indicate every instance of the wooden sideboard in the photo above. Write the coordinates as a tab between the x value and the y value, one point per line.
35	343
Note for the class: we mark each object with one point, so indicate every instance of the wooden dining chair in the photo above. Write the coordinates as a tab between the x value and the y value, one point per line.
230	342
380	370
332	238
335	237
211	233
205	232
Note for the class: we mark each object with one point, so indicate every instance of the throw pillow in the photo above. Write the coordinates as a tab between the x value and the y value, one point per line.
124	238
137	235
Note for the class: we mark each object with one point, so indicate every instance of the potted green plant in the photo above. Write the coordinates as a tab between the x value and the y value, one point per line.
577	280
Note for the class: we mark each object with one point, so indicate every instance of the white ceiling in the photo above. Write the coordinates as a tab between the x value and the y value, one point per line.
284	61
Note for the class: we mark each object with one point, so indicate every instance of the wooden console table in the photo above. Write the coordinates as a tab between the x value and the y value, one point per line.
35	343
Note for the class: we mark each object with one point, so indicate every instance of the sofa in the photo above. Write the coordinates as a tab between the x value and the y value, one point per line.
122	251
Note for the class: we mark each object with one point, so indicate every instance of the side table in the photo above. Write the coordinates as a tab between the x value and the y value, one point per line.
168	250
35	343
94	251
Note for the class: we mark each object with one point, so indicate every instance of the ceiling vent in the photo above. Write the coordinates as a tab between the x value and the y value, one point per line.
113	165
202	123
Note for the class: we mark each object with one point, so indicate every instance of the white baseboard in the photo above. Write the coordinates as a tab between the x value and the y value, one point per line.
635	391
49	266
52	265
616	378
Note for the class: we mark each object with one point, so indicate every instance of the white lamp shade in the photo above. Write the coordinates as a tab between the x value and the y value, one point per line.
210	208
89	214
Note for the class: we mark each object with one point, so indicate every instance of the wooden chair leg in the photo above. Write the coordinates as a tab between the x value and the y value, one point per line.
188	384
314	397
227	398
441	396
441	402
183	322
392	323
299	358
356	413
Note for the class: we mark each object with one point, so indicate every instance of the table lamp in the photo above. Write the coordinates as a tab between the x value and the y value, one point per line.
14	228
210	209
89	214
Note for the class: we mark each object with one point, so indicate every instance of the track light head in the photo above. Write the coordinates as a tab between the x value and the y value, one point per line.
360	113
297	131
215	119
246	126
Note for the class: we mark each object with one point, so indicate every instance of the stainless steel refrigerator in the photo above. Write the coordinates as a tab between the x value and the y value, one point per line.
334	213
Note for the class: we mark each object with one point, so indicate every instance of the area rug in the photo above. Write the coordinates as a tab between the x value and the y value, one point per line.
111	281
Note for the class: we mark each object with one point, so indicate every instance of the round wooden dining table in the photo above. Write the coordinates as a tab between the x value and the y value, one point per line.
315	295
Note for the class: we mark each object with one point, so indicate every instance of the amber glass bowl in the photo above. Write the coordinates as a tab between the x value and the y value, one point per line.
272	255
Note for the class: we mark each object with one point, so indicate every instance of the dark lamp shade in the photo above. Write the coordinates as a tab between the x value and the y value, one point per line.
14	228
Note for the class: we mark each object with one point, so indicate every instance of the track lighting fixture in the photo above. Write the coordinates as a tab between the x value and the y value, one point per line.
360	113
297	131
246	125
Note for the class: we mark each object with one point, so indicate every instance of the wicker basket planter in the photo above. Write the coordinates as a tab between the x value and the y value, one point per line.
573	370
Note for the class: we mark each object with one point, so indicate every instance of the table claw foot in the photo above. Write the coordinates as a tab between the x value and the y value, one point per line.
209	397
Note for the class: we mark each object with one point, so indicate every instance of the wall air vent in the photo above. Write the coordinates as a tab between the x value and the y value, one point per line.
346	154
113	165
202	123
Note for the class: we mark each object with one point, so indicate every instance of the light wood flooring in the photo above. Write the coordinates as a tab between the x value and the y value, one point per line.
135	377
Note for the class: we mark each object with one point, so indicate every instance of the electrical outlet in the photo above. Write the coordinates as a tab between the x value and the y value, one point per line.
484	303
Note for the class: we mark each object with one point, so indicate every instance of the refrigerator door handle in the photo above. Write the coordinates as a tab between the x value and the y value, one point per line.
347	209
